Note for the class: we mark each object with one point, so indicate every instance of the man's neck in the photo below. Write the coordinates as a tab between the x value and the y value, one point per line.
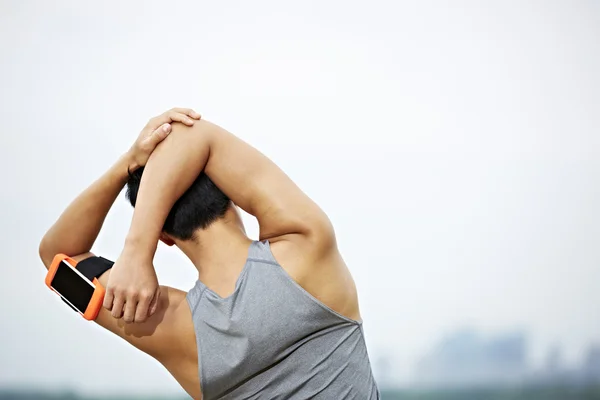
219	252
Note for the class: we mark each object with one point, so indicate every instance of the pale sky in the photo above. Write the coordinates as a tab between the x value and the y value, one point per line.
454	145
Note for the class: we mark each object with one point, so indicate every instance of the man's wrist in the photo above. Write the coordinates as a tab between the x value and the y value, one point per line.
124	166
131	162
141	245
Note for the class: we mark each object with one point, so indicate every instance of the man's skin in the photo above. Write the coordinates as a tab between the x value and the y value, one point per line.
301	236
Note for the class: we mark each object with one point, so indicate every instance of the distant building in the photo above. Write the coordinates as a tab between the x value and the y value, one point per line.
554	360
382	370
591	366
467	359
553	371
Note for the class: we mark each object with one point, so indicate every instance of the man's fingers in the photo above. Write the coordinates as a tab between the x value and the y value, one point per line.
170	116
183	115
130	309
143	306
180	117
117	308
161	133
154	303
187	111
108	299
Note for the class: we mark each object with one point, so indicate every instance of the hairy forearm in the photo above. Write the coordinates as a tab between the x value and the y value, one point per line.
77	228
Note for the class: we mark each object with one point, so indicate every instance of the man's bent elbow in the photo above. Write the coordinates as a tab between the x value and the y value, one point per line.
320	230
45	252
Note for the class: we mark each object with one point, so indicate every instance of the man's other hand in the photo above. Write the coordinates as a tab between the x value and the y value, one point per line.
155	131
132	291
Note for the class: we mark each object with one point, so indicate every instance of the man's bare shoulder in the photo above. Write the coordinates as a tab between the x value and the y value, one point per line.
321	271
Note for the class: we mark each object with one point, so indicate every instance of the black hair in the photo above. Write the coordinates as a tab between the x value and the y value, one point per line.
201	205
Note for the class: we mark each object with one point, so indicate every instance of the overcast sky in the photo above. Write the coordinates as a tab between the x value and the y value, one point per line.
454	145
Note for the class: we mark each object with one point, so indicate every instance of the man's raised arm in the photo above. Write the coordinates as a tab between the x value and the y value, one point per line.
247	177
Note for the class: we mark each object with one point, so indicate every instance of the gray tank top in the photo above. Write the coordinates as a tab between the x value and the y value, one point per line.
271	339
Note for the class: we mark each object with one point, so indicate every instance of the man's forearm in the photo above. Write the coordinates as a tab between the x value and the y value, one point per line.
170	171
77	228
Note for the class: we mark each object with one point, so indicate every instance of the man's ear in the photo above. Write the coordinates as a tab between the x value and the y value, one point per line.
166	239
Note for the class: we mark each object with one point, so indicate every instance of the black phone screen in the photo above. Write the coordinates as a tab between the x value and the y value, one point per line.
73	287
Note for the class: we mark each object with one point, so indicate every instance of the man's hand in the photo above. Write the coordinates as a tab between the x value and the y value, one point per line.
155	131
132	291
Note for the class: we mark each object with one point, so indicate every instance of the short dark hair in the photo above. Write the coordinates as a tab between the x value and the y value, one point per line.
201	205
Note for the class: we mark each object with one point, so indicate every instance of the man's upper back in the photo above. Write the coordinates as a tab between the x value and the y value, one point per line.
272	339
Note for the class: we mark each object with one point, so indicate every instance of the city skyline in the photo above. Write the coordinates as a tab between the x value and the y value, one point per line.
467	358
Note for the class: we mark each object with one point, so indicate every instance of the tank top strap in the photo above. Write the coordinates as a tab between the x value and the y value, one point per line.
260	251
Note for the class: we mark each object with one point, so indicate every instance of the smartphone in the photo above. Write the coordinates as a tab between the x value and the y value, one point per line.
74	288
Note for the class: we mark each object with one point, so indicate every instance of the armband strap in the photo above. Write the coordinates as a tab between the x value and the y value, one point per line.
93	267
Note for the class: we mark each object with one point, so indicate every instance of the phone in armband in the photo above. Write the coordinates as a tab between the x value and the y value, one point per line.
82	293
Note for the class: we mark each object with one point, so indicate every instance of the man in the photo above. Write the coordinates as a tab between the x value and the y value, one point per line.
275	318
